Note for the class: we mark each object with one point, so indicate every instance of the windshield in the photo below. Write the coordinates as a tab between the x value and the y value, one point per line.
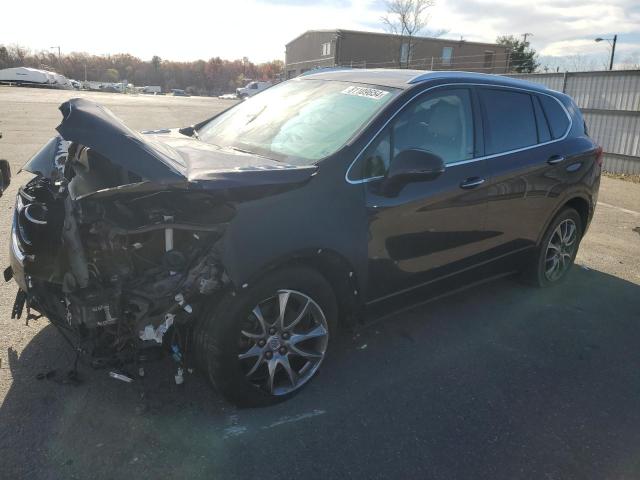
299	121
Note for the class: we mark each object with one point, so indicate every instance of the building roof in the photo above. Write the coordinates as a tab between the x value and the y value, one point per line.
362	32
404	79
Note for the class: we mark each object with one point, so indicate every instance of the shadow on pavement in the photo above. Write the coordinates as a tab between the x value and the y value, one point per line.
501	381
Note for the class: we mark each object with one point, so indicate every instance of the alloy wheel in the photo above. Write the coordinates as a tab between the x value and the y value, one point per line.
560	250
283	342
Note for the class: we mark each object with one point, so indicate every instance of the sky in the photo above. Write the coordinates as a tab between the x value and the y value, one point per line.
259	29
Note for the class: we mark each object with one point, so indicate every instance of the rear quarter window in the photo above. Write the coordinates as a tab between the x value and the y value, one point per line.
556	116
510	121
544	134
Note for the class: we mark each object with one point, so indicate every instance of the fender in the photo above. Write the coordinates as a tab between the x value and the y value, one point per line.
566	198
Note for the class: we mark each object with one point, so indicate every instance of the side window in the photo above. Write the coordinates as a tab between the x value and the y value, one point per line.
510	120
544	134
556	116
441	123
378	156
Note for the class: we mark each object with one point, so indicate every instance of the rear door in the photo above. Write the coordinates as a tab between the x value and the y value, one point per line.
525	160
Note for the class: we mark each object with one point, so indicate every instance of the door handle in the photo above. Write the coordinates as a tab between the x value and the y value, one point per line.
472	182
555	159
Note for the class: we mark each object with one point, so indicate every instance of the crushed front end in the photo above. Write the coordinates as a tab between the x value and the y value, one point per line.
115	272
119	237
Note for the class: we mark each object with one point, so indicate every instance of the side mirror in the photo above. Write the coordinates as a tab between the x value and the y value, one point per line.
412	166
5	175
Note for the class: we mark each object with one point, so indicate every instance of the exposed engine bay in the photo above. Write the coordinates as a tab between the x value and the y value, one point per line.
118	272
118	239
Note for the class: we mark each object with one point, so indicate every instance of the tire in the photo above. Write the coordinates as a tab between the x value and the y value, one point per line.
257	363
561	240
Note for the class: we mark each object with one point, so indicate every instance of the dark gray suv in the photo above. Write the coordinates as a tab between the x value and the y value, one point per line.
241	243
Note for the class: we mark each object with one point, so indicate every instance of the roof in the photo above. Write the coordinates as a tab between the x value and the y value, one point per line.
405	79
363	32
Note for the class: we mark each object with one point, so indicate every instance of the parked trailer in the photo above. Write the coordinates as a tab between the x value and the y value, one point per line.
34	76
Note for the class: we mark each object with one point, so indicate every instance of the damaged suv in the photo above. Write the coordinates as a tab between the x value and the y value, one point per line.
240	243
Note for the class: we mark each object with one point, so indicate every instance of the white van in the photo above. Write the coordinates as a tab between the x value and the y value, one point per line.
252	88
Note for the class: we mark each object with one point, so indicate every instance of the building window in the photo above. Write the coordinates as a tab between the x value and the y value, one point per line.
405	53
488	58
326	49
447	55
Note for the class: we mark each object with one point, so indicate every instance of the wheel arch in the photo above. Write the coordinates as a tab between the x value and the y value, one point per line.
579	202
335	268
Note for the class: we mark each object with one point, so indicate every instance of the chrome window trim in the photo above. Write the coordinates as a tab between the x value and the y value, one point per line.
461	162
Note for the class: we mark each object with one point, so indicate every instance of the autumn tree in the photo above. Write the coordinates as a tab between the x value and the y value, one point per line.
212	77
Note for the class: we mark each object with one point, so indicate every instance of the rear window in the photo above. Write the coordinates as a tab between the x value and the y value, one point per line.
556	116
544	134
510	120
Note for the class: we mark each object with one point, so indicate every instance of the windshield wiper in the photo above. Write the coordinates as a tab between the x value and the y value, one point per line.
256	115
253	153
244	151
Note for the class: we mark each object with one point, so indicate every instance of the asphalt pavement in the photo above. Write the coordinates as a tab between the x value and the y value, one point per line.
501	381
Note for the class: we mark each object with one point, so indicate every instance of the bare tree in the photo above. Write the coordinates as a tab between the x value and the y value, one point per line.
406	18
631	62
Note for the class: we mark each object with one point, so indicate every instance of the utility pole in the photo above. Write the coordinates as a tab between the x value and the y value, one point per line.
612	42
525	35
613	51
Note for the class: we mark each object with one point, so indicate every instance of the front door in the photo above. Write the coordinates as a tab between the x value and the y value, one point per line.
430	228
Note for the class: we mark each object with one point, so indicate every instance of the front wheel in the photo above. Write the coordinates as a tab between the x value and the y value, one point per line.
262	345
557	250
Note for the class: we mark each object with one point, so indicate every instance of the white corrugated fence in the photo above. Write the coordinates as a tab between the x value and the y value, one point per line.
610	103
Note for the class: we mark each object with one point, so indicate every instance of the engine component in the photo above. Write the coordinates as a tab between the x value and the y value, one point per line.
94	308
156	333
75	251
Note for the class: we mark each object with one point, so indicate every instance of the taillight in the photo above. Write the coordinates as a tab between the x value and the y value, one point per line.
599	156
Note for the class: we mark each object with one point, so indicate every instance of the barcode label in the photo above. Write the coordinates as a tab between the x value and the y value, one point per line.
366	92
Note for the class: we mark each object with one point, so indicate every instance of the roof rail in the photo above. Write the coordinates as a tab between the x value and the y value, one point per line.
323	70
420	78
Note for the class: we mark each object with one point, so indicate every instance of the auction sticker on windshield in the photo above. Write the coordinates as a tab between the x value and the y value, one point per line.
365	92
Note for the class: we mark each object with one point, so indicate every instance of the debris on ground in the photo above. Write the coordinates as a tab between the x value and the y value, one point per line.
121	377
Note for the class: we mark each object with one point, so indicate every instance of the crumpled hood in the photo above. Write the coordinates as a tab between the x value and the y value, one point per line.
165	157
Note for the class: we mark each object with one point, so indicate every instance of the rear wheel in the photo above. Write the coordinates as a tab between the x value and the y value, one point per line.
264	344
557	251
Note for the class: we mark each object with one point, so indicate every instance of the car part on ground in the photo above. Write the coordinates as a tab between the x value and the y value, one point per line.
5	174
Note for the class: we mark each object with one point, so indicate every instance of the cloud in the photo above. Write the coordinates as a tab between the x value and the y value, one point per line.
259	29
559	27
